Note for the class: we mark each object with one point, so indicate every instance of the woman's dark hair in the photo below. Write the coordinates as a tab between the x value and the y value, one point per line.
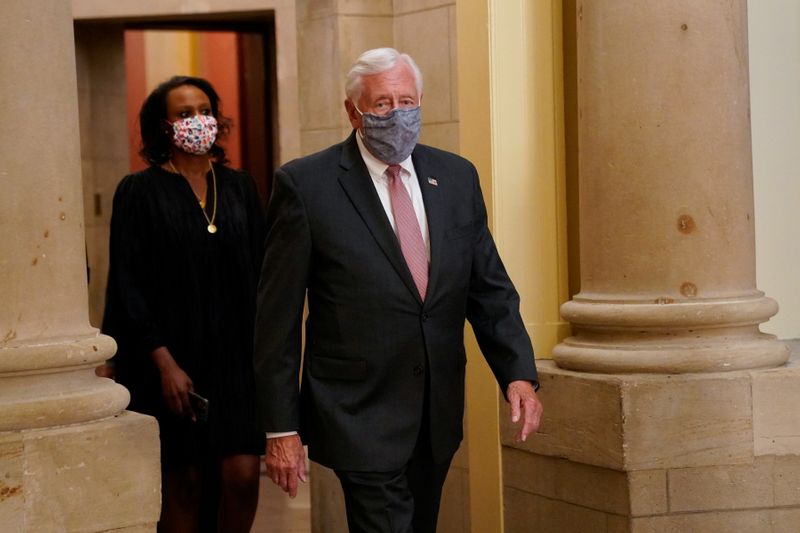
157	139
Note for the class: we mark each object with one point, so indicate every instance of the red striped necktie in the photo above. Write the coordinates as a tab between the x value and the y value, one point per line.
408	231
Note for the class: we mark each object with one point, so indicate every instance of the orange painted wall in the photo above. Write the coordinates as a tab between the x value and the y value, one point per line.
218	62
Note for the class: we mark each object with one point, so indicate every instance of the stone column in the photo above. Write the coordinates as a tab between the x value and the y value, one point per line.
71	458
666	193
667	410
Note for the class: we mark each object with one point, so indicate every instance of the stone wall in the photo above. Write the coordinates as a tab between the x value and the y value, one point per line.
331	35
102	104
710	452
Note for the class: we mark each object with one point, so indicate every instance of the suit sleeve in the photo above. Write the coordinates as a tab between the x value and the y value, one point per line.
281	296
493	307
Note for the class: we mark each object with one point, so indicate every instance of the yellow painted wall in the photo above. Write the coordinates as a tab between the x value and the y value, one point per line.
512	127
169	53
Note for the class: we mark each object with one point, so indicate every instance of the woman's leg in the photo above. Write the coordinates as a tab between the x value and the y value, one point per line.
180	502
238	492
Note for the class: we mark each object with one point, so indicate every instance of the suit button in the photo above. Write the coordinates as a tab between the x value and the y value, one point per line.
424	317
418	370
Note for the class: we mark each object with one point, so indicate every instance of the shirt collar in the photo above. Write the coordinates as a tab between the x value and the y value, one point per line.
375	166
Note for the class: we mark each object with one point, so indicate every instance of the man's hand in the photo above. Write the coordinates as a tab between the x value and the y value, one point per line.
524	405
286	462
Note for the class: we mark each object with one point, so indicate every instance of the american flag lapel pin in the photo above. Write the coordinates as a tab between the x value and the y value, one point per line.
433	181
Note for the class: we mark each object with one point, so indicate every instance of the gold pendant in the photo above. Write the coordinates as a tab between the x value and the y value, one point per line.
212	228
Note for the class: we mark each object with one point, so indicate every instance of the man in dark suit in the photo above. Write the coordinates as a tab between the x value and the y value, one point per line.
388	239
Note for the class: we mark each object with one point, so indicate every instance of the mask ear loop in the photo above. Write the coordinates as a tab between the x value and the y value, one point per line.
361	129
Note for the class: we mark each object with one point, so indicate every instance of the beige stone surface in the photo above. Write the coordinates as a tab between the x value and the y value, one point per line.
618	524
721	487
452	28
407	6
145	528
686	451
647	490
98	476
526	512
680	421
642	422
785	520
776	418
320	84
667	261
12	468
48	348
54	398
43	224
358	34
104	143
315	140
766	483
426	36
715	522
314	9
66	462
582	419
672	131
102	9
327	501
365	7
442	135
589	486
786	480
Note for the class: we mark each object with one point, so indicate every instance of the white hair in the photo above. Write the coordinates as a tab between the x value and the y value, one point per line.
374	62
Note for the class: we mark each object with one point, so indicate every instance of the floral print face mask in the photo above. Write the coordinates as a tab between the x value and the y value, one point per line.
195	135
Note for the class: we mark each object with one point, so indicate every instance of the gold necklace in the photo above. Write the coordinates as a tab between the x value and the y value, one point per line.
211	227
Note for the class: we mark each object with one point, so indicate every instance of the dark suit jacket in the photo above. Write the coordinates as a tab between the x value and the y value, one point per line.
370	342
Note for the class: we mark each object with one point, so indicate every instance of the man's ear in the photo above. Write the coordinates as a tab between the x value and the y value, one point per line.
352	114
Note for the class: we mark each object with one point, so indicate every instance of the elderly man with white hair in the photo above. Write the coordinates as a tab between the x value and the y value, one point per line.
388	241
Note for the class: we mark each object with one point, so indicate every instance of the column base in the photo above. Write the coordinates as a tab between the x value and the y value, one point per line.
51	382
669	337
98	476
652	453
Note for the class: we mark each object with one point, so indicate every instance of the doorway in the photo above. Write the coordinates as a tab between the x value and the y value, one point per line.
237	57
120	62
238	53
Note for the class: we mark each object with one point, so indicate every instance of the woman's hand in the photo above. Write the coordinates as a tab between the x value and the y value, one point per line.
175	383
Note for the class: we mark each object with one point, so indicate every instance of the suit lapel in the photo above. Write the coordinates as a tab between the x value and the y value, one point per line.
358	186
432	197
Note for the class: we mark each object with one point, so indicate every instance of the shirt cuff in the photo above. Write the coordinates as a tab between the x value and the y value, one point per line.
275	435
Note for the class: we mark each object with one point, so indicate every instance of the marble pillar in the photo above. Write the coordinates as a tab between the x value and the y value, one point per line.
667	410
666	193
70	457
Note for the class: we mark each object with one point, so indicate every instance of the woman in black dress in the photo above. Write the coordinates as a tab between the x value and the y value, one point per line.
186	250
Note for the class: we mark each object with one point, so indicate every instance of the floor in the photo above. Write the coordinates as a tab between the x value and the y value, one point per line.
277	513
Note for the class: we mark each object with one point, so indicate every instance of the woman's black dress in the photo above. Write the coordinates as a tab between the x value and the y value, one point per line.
172	283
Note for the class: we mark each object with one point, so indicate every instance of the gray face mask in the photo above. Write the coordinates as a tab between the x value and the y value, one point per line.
391	137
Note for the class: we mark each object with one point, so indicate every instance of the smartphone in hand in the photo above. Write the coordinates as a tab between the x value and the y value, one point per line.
199	406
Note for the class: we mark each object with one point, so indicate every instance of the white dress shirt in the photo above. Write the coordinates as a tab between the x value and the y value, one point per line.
377	171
